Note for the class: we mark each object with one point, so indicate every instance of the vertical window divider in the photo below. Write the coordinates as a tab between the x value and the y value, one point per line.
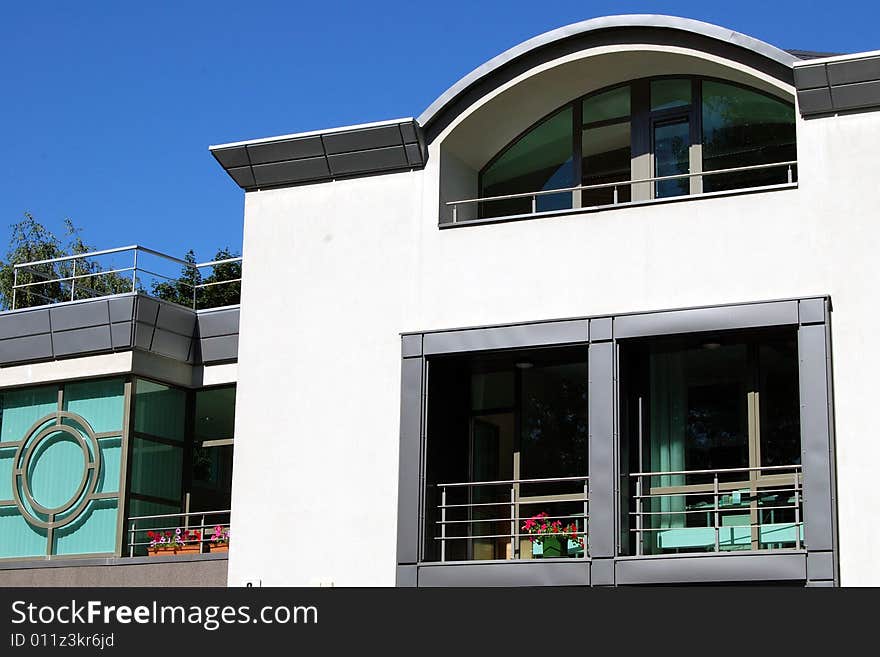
577	131
696	147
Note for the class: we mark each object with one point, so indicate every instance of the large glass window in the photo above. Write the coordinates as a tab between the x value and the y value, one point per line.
717	419
542	159
606	144
735	126
507	441
742	127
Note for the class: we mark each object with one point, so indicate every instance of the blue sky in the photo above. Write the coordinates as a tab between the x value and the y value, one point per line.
109	107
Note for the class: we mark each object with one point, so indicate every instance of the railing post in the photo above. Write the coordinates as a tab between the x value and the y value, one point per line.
790	178
513	522
639	537
615	195
14	285
797	511
131	540
584	535
534	203
134	272
202	535
717	514
73	280
455	213
443	524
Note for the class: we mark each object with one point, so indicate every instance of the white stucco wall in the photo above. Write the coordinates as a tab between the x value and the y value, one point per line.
336	271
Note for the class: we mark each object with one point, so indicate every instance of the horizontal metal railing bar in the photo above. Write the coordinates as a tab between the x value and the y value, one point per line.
62	279
687	472
746	492
180	515
231	280
211	263
758	525
525	536
624	183
505	503
174	527
79	256
512	481
712	509
570	516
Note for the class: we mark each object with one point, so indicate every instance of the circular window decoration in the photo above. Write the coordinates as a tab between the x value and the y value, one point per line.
56	470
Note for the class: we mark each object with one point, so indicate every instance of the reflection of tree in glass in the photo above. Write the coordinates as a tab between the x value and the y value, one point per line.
555	430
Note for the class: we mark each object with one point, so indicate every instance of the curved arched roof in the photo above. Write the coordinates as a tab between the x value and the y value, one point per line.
635	28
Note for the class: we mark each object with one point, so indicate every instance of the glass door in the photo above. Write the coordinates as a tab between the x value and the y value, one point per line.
671	156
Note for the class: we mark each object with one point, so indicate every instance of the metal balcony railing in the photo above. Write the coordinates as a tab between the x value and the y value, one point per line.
758	508
205	523
99	273
789	166
487	519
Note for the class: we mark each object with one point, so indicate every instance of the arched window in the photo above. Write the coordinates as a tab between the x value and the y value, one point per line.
540	159
645	129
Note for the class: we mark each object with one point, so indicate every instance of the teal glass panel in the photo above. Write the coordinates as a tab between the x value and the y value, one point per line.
666	94
91	533
156	469
17	537
614	104
541	159
111	455
56	470
160	410
742	127
22	408
7	458
101	403
215	414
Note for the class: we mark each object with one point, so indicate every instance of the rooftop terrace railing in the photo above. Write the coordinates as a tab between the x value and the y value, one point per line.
96	274
789	166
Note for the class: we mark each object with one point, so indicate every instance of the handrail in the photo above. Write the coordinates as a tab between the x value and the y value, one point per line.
513	481
623	183
797	466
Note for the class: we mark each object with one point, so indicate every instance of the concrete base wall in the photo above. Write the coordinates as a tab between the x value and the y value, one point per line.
147	571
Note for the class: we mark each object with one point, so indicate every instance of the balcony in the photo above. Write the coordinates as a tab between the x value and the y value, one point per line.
620	194
490	520
717	510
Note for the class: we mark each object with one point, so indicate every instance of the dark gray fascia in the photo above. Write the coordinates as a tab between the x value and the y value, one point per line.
119	323
324	156
838	86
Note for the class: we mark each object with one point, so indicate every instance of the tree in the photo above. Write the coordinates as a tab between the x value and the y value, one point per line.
222	287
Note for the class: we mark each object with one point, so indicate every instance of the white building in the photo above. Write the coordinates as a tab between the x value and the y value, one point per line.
618	277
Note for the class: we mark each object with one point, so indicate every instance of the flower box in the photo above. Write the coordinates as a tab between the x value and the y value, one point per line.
220	548
194	548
